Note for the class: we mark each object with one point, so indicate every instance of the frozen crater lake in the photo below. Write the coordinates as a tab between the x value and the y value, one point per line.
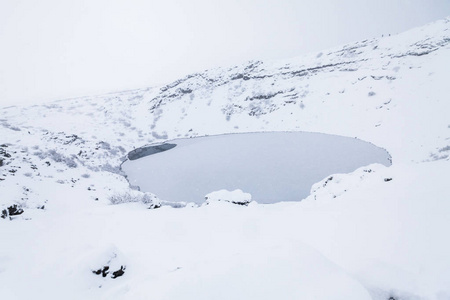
271	166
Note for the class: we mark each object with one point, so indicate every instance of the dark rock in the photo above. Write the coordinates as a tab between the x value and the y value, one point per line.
149	150
118	273
328	180
184	91
103	271
263	96
237	76
13	210
97	272
70	139
154	206
243	203
4	153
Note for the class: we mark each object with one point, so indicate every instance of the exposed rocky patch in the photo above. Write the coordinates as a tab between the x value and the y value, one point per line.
105	271
13	210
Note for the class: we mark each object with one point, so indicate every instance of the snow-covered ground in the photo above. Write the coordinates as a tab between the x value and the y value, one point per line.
375	233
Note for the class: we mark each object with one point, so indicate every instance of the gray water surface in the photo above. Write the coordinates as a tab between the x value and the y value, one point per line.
272	166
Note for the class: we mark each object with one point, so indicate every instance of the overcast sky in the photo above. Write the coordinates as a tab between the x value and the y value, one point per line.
54	49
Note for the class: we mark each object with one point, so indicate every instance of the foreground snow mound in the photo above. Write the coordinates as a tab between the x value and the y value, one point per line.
235	197
264	271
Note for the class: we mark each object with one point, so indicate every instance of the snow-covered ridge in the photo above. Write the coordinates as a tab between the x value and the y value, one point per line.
376	232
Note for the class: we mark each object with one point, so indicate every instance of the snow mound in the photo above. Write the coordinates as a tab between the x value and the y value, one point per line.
236	197
108	263
292	271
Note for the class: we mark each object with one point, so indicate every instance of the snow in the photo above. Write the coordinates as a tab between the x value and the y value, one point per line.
374	233
235	197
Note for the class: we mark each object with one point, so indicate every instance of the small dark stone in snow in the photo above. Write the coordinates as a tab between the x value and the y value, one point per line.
13	210
154	206
243	203
237	76
103	271
118	273
97	272
185	91
328	180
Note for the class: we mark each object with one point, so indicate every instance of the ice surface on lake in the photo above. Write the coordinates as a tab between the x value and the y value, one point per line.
272	167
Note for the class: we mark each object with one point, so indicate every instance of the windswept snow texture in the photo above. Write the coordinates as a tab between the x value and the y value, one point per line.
250	162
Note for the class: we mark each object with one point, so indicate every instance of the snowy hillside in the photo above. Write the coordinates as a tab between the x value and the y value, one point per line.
377	233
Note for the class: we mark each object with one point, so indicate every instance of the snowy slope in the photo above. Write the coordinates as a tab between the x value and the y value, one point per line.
373	234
